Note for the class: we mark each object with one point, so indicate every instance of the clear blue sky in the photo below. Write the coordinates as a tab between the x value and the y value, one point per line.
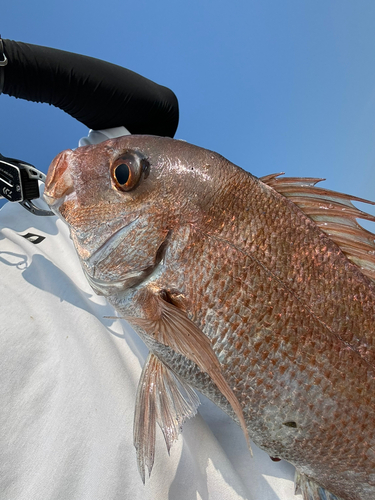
273	85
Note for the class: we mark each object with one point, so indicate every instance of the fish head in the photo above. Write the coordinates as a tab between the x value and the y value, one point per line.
122	199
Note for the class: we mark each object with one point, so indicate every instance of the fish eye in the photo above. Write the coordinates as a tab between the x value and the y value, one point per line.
127	170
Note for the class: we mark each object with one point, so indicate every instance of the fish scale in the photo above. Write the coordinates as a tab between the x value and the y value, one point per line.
239	294
328	309
318	385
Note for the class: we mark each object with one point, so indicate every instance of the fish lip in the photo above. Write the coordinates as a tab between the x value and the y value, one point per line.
110	244
51	201
59	182
54	203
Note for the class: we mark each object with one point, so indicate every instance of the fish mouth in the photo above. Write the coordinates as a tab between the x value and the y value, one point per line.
59	182
54	203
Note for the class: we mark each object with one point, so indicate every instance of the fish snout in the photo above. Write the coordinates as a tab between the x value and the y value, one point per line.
59	182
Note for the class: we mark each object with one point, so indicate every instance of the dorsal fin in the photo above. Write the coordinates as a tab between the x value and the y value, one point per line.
334	213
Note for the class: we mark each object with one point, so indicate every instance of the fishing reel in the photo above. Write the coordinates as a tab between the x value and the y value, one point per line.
19	184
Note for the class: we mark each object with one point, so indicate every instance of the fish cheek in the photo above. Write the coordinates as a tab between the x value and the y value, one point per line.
138	251
69	212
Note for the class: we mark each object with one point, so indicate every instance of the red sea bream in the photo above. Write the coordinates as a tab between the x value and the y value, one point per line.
259	293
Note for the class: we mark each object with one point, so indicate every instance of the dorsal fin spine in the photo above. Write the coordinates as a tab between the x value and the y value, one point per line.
334	213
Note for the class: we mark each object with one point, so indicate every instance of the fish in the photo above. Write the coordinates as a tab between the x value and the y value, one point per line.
257	292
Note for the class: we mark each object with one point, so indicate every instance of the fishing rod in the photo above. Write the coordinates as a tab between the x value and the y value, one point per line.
19	184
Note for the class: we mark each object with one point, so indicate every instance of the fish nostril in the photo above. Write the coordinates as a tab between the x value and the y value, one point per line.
59	181
293	425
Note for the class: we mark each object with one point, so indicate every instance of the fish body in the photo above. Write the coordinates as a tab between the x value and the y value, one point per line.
238	294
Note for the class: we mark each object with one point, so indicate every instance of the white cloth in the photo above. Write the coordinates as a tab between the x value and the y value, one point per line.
67	393
97	136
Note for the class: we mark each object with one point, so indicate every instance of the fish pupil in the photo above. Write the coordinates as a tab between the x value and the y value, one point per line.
122	173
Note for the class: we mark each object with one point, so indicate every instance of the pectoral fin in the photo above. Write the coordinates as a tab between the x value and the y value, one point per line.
170	326
310	490
163	398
